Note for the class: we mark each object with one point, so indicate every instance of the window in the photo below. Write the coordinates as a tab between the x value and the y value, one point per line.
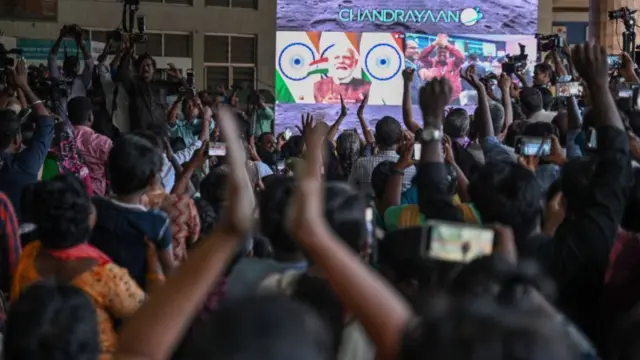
230	60
177	45
245	4
153	45
216	49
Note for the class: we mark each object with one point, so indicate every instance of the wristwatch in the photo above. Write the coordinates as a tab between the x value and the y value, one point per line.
431	134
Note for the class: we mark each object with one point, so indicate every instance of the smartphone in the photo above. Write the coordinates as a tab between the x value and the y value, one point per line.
614	62
369	247
417	150
591	138
532	146
287	134
456	242
217	149
280	166
566	89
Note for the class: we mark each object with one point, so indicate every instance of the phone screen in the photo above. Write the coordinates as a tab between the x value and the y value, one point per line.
280	165
566	89
417	150
217	149
533	146
614	61
458	242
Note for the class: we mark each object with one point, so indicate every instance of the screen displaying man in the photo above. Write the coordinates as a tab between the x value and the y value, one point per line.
341	80
447	63
411	52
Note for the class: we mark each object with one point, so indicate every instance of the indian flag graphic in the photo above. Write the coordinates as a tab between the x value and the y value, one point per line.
296	53
382	59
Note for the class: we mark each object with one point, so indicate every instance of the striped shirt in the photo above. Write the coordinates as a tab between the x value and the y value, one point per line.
363	168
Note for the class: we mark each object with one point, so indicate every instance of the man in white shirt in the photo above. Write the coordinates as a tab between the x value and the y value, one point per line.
532	106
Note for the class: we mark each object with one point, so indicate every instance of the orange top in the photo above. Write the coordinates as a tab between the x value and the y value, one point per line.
113	292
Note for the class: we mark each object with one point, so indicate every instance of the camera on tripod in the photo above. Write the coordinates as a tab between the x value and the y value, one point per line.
549	42
515	63
621	14
629	34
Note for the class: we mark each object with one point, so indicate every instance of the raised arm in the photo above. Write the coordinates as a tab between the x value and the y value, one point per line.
333	130
368	137
87	71
505	88
407	109
382	311
52	63
157	327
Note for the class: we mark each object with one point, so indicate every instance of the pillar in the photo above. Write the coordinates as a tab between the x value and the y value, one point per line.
609	32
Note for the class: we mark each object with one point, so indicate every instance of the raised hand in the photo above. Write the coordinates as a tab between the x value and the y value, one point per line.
469	75
590	61
343	107
408	74
306	124
306	208
434	97
504	82
363	104
237	217
19	74
173	71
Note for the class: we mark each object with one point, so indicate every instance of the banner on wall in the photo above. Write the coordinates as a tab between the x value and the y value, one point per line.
34	50
23	10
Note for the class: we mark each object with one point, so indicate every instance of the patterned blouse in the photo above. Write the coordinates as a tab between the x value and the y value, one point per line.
113	292
185	223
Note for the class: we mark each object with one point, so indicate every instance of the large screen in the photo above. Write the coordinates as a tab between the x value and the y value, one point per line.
349	49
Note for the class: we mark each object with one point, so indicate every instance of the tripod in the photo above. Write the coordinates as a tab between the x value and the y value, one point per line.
629	37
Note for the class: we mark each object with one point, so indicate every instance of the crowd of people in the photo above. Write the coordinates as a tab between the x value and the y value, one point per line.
124	236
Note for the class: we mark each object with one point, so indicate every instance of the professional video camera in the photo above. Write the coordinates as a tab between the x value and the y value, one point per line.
549	42
515	63
629	34
6	62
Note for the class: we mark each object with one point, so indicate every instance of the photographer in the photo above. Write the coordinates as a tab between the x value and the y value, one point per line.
260	115
147	98
20	166
70	83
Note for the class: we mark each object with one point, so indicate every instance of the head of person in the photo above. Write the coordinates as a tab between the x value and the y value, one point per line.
52	322
265	327
70	65
134	165
273	204
343	62
547	97
442	54
530	101
80	111
456	124
294	147
63	212
542	74
473	58
348	149
388	133
345	210
267	142
190	109
10	134
509	194
497	116
456	330
146	65
411	49
380	178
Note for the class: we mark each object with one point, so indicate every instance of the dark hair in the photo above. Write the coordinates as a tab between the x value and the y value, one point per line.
460	329
345	214
9	127
540	129
142	58
293	147
316	293
507	193
544	68
79	109
133	164
52	322
497	116
61	212
456	124
348	150
547	97
530	100
273	204
388	133
380	178
576	179
265	327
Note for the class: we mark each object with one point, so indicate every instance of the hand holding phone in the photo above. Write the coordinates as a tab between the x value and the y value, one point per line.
456	242
533	146
217	149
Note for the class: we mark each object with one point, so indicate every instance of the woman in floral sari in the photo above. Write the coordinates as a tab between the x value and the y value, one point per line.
64	216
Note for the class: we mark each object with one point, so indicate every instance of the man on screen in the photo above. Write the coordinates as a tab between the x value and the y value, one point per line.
411	52
447	63
343	62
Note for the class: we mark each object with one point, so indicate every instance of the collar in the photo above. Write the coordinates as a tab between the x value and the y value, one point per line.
129	206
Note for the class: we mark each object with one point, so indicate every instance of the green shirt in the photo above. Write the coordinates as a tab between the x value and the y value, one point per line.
262	121
188	131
